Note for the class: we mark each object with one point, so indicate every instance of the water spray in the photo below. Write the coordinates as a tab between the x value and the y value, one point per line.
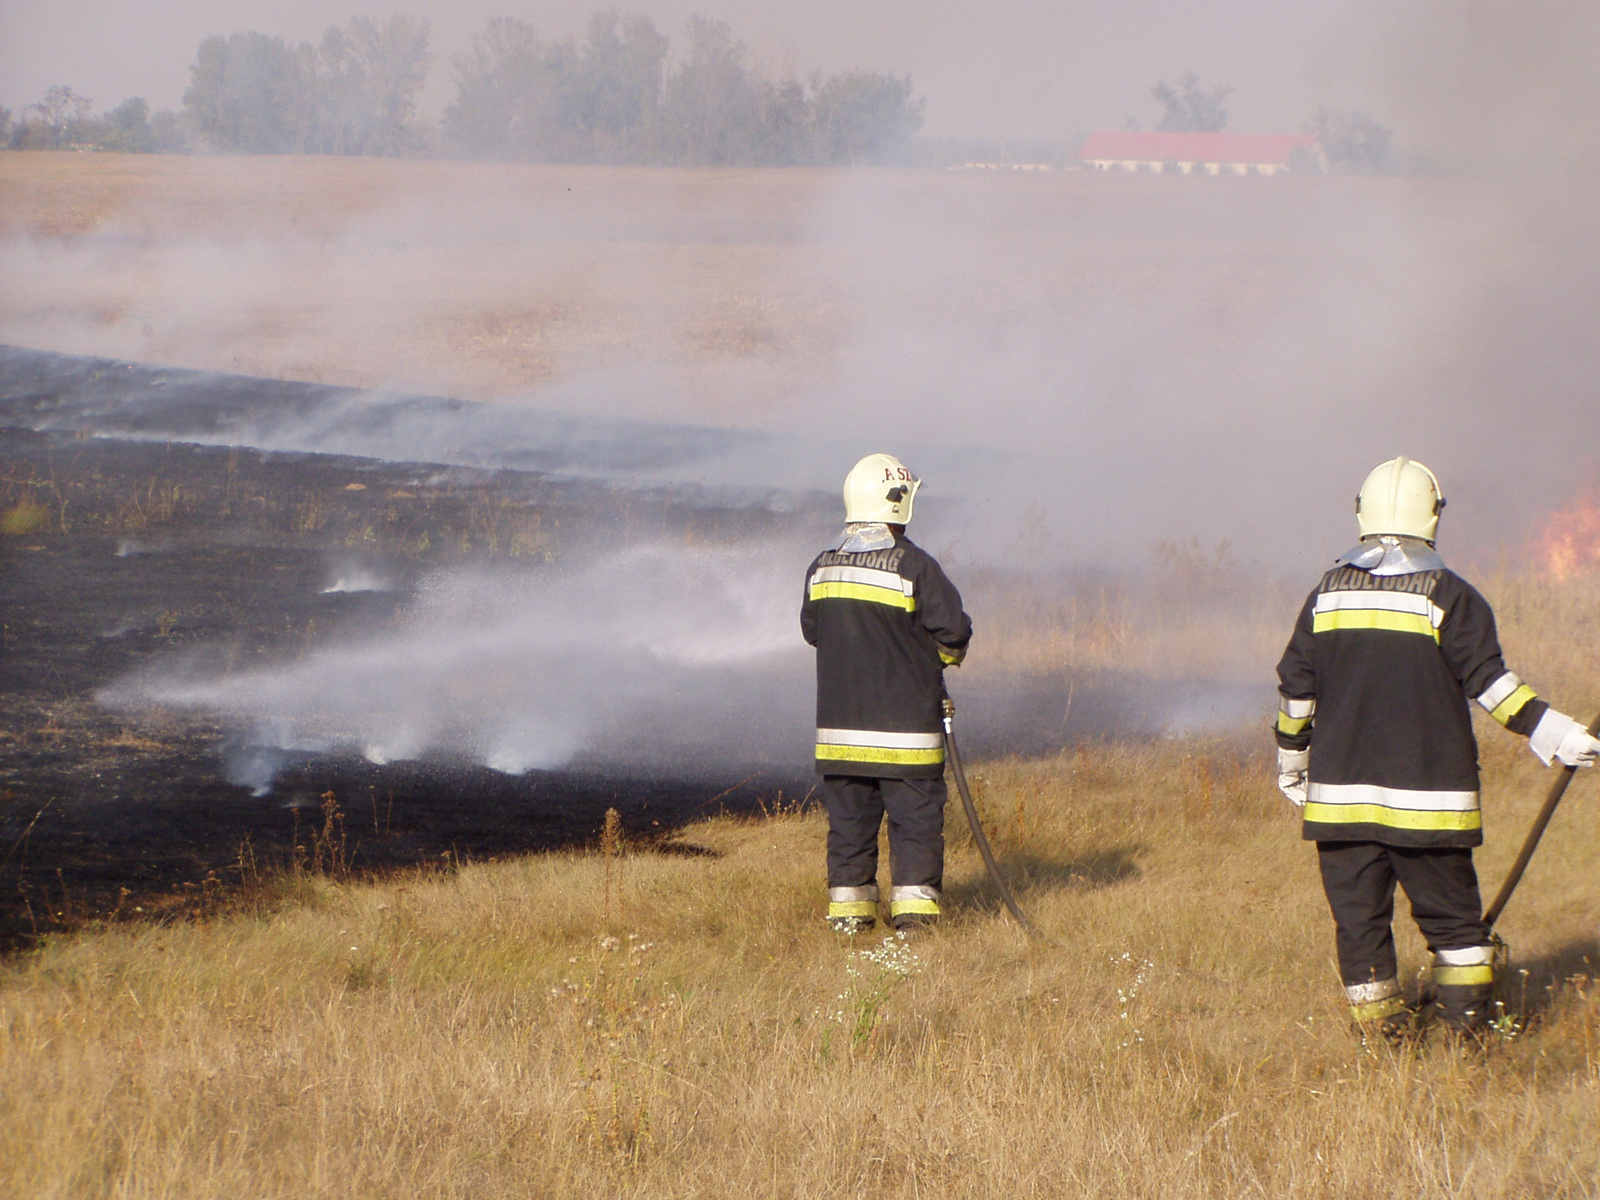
978	835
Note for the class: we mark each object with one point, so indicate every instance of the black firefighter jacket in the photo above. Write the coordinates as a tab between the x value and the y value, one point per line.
1376	680
885	624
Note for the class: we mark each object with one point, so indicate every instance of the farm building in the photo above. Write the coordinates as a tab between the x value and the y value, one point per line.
1208	153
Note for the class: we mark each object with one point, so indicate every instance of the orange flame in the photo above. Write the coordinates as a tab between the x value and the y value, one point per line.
1569	543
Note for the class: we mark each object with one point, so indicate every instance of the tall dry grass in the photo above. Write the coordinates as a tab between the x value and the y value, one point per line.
655	1024
1198	614
1190	613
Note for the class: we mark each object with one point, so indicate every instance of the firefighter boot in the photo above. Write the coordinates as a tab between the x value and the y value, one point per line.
1379	1011
913	909
1463	986
853	910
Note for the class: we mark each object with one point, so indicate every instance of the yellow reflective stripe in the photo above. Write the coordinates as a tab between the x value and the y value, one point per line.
1292	725
1379	1009
880	754
839	590
947	657
852	908
1512	704
924	907
1395	818
1463	976
1373	618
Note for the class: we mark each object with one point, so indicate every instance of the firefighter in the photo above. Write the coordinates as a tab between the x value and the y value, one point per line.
885	622
1375	745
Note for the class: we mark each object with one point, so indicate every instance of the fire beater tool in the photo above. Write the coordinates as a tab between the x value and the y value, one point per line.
972	820
1557	790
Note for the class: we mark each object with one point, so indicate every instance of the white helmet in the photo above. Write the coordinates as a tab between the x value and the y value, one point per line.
1401	498
880	488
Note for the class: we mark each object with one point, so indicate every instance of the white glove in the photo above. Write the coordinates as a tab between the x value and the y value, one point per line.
1293	766
1558	736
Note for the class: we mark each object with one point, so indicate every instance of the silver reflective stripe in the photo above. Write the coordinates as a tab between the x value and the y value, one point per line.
1371	793
873	737
870	576
1497	692
915	891
1471	956
1370	993
1297	710
847	895
1406	602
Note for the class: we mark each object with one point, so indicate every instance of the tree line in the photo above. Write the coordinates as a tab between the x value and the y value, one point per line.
611	97
64	120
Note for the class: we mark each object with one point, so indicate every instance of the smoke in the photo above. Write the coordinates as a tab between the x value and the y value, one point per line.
688	661
1126	360
1078	366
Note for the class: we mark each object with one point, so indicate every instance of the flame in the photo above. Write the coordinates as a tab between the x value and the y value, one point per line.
1569	542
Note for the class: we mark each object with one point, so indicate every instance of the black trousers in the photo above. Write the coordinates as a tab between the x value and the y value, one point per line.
1359	879
856	806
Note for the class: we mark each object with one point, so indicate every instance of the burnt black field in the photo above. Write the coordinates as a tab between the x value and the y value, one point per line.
134	533
121	552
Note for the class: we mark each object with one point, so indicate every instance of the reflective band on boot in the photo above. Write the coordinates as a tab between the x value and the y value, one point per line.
1375	1001
914	900
853	902
1470	967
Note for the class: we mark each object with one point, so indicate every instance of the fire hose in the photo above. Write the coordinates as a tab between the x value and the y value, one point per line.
978	835
1557	790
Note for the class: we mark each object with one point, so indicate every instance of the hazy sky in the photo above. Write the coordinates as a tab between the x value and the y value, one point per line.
1003	67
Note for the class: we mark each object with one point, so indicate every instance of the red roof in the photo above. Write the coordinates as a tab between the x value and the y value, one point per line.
1125	145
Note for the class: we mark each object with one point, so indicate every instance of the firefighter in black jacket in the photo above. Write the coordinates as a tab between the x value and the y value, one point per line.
1375	743
886	622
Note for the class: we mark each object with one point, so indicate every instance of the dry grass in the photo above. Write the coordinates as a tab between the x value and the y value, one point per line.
662	1025
738	294
1202	615
473	279
1190	614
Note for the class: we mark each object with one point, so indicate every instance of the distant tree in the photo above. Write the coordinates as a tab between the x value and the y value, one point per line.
5	128
1189	108
612	99
61	119
127	128
713	107
788	125
252	93
512	95
1353	141
616	88
366	80
167	133
862	117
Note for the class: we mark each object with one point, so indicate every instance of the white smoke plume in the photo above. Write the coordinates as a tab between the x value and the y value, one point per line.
688	660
